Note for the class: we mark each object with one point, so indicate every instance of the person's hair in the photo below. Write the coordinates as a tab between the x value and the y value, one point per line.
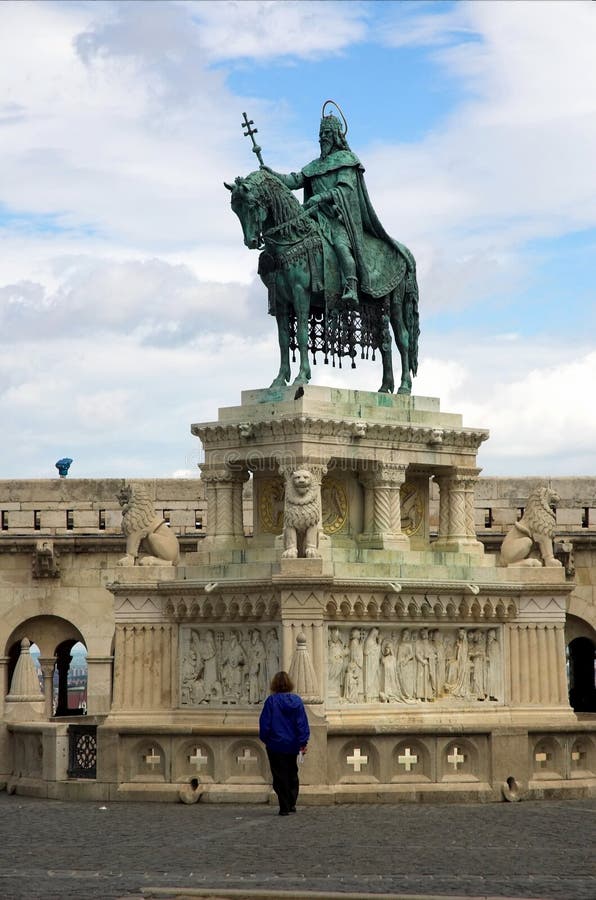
281	683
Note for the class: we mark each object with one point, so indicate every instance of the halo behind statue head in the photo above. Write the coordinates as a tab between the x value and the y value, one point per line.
339	109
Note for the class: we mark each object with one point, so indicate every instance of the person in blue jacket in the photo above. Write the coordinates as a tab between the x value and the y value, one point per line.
283	728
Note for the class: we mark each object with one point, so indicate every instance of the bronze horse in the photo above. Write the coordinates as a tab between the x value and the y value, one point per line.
308	315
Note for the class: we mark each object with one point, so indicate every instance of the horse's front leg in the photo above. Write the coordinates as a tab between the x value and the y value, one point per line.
283	336
301	308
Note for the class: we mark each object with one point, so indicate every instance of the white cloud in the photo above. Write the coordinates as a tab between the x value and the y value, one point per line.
128	304
266	29
511	164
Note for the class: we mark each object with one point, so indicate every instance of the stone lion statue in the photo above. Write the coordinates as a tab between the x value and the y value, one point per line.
149	541
531	539
302	515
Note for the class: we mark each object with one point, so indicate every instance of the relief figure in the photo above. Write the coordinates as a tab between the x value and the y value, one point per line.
336	662
493	660
372	661
459	673
390	689
257	679
406	665
353	687
424	670
478	664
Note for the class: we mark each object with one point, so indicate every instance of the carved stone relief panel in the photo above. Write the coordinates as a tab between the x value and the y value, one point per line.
385	664
223	665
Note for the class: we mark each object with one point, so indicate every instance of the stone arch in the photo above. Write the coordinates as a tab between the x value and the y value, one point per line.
194	759
411	761
582	686
460	760
146	760
97	636
357	761
55	637
246	763
547	760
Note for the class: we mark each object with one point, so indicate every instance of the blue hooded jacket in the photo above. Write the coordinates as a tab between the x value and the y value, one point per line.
283	726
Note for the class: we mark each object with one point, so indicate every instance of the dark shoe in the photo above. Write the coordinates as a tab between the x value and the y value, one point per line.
293	809
349	298
283	812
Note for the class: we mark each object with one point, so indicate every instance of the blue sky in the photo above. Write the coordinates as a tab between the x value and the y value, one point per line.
130	307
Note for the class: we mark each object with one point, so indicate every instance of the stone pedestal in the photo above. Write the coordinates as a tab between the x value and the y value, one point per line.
397	641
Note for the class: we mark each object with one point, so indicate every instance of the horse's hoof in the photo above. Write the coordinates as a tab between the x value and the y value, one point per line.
300	380
403	389
385	389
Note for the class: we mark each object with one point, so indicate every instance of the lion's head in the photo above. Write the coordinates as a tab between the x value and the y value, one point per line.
302	481
138	514
539	517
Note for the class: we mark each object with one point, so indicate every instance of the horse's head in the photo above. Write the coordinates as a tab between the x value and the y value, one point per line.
250	207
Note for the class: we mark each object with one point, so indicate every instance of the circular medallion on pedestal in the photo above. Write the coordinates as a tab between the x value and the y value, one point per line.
334	501
412	509
271	505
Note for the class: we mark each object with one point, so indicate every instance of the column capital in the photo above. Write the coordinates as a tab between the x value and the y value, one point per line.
224	474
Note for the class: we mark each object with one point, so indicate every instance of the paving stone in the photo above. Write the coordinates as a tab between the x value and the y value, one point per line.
57	851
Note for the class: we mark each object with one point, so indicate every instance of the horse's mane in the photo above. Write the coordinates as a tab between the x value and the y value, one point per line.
273	192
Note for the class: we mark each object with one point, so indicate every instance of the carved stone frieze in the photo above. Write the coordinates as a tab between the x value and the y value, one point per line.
215	434
229	666
385	664
426	607
220	607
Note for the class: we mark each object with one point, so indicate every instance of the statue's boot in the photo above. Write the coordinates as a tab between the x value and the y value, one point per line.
349	298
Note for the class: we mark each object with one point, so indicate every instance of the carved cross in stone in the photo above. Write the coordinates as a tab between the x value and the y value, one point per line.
542	758
246	758
577	756
357	760
456	758
407	759
152	759
197	759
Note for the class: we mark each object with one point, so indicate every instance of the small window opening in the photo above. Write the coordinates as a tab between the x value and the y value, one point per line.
586	517
198	519
166	516
102	520
488	518
520	512
37	519
4	520
70	519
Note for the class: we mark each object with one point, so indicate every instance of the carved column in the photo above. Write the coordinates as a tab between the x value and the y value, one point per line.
457	529
47	670
223	488
382	507
63	661
537	665
143	667
99	681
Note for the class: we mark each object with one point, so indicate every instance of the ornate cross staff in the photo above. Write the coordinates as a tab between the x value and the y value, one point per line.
250	132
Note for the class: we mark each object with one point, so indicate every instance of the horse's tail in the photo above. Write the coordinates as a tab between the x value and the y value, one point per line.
411	315
410	305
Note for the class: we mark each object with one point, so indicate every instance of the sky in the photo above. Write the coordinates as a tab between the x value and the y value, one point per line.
129	305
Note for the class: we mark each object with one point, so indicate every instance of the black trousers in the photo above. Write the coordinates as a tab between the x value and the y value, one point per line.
284	770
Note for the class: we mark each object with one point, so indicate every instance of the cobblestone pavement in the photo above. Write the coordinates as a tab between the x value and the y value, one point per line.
59	851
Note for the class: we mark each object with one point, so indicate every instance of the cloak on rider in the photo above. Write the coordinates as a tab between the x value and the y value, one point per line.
371	262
